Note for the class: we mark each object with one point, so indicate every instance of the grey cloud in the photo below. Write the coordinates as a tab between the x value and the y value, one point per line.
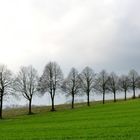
103	34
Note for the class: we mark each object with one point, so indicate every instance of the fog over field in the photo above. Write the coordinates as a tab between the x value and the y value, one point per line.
102	34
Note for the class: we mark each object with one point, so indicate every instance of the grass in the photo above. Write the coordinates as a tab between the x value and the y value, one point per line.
112	121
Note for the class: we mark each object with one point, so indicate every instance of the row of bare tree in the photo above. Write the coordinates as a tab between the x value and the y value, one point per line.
27	83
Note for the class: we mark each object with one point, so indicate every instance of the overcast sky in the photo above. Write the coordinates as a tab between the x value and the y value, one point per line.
104	34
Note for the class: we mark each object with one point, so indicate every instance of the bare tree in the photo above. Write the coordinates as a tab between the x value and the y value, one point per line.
124	84
5	84
87	82
101	84
51	80
71	85
113	84
26	83
134	80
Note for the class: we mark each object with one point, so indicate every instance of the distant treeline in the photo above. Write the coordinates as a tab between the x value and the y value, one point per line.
26	83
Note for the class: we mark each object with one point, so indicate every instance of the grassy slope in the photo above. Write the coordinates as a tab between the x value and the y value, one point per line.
119	120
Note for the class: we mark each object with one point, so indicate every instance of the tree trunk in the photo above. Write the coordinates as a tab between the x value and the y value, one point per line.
52	109
114	96
1	104
30	106
88	103
52	93
125	95
134	96
72	102
103	97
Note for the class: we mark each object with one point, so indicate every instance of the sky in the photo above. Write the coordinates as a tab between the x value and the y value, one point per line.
103	34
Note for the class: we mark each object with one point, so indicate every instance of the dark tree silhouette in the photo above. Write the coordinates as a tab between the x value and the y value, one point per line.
71	85
101	83
51	80
124	84
134	80
113	84
5	85
87	78
26	83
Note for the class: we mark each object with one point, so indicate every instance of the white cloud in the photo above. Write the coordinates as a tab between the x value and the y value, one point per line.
74	33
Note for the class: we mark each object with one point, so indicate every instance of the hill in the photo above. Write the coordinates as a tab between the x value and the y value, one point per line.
112	121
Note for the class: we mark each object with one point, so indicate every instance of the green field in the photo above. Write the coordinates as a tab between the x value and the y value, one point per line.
112	121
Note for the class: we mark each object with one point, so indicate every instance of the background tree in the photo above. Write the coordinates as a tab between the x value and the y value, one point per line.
134	80
124	84
5	85
101	83
113	84
87	82
51	80
71	85
26	83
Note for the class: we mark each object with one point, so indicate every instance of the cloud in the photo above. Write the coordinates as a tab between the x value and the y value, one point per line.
102	34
